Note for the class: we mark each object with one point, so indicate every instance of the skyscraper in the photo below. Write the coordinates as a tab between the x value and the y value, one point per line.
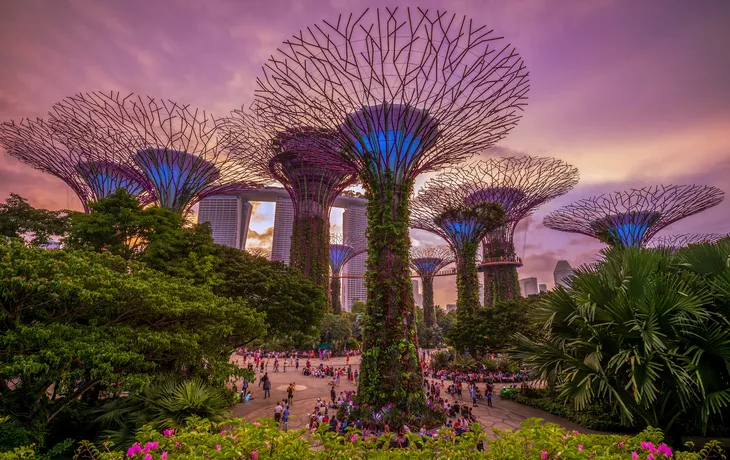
417	297
228	216
283	221
562	272
542	288
354	225
528	286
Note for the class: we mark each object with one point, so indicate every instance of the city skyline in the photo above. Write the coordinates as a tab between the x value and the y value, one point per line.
649	105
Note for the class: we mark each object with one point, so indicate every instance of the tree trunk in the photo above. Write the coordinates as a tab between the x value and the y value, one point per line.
390	369
429	314
309	252
335	294
500	283
467	280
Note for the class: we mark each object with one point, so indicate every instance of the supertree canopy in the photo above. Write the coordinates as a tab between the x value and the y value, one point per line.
520	185
41	145
426	262
286	158
342	250
675	242
443	208
633	217
179	149
408	91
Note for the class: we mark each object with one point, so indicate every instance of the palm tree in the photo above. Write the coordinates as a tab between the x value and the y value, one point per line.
640	330
465	363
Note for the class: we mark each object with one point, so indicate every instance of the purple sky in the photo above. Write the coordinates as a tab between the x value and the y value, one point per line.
632	93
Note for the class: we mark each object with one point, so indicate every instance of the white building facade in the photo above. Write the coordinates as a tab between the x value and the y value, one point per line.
354	225
228	216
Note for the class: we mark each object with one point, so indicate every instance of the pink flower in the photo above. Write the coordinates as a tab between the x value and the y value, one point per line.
665	449
254	455
354	437
575	432
634	456
163	456
134	450
148	457
620	444
580	447
178	444
650	457
543	455
218	447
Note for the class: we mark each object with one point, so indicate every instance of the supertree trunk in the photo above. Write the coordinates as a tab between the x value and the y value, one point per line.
500	283
335	294
390	370
429	313
310	248
467	280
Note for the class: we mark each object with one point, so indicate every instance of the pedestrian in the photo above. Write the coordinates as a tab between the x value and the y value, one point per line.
333	394
285	366
296	365
474	396
290	394
490	388
285	418
277	412
267	385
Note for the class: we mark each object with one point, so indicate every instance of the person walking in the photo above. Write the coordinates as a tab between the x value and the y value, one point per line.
473	396
277	412
267	385
490	389
285	418
290	394
333	394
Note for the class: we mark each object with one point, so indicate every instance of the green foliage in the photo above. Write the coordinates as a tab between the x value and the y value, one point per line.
501	283
18	219
335	329
263	439
358	306
465	363
441	360
595	416
167	403
77	325
645	331
430	337
490	330
292	304
310	248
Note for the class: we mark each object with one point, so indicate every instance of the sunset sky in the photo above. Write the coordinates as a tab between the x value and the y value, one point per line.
633	93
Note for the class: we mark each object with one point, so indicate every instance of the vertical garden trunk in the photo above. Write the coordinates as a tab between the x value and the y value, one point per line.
467	280
309	251
335	294
390	369
500	283
429	314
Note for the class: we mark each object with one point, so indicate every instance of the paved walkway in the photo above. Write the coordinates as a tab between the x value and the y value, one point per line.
505	415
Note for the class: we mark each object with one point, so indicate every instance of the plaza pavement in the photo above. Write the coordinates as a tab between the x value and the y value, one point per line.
505	415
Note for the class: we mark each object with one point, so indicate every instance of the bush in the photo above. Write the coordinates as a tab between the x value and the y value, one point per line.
262	439
593	417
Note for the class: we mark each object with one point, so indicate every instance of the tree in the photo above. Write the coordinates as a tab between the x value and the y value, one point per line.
292	304
19	219
334	329
358	306
645	331
491	330
78	325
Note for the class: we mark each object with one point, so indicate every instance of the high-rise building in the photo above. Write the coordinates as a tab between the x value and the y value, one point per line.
283	223
562	272
417	296
528	286
228	216
354	225
450	307
542	288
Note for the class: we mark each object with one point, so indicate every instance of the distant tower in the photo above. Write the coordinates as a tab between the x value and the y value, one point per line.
528	286
562	272
283	222
542	288
228	216
354	226
417	297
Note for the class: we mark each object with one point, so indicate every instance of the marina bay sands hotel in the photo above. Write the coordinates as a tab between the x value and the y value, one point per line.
229	217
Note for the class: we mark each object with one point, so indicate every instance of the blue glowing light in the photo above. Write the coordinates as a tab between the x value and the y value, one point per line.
629	234
104	185
391	147
428	264
340	254
462	230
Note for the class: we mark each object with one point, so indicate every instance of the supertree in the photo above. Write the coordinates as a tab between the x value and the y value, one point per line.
633	217
39	144
675	242
520	185
179	149
426	262
342	250
313	189
442	207
408	91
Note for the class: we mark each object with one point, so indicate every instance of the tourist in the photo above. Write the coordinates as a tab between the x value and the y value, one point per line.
285	418
277	412
267	387
290	394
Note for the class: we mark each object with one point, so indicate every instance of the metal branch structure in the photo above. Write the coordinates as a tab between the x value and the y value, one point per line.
443	207
342	250
520	185
177	148
286	158
676	242
427	262
39	144
408	91
633	217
